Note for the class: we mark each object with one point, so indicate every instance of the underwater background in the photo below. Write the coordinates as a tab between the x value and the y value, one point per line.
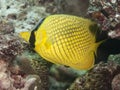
21	68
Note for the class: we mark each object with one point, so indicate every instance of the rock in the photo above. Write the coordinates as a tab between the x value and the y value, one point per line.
6	27
12	16
98	78
10	46
116	82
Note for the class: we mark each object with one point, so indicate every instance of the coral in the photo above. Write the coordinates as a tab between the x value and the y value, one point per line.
107	15
116	82
42	71
29	63
10	46
6	27
115	58
60	72
74	7
24	14
98	78
28	71
7	82
61	77
17	72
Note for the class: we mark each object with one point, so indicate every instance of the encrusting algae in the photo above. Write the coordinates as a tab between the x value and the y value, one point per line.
65	39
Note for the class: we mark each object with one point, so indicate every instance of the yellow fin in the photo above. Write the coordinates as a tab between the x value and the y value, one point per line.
25	35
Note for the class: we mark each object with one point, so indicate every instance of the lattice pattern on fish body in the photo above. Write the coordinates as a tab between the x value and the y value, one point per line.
70	39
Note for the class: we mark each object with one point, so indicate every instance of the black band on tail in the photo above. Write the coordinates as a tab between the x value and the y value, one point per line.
32	36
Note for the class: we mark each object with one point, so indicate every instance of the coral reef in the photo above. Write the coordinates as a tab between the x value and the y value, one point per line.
34	65
22	69
24	66
61	77
18	72
23	14
5	80
6	27
98	78
10	46
116	82
107	15
74	7
115	58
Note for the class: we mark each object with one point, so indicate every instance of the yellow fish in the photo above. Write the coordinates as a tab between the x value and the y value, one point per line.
65	39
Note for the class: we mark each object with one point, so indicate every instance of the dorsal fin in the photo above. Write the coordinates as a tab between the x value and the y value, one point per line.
32	36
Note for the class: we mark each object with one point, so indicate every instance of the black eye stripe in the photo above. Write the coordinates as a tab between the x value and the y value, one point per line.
32	36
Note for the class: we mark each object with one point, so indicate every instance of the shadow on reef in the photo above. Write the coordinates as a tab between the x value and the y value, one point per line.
110	46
